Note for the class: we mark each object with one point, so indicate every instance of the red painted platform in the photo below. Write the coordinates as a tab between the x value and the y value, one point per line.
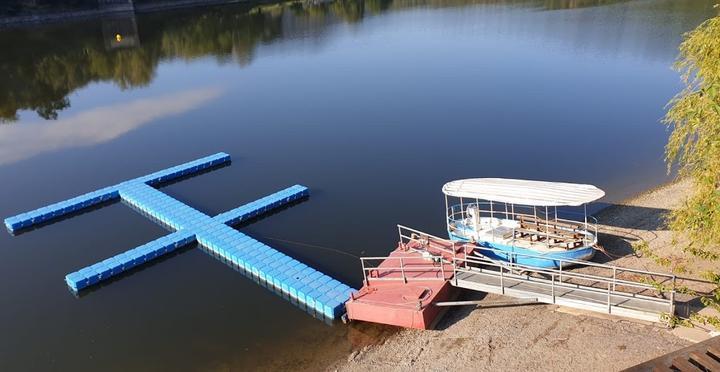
402	289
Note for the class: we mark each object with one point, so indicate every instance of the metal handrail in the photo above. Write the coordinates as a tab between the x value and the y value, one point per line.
402	227
554	281
558	277
540	256
611	289
443	249
575	262
544	270
403	268
566	274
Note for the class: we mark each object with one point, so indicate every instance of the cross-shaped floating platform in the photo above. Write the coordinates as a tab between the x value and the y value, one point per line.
307	285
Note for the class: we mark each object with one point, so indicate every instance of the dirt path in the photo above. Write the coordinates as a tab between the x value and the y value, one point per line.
543	337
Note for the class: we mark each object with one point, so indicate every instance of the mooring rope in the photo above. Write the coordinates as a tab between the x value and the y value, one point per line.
309	245
604	251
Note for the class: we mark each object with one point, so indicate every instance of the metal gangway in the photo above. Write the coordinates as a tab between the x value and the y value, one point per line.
585	285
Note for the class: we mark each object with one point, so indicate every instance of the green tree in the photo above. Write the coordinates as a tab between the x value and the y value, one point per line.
694	146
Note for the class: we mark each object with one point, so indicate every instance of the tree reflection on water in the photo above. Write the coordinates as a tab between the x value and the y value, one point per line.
41	66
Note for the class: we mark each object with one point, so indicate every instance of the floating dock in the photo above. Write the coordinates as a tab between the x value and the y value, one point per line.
402	289
405	287
308	286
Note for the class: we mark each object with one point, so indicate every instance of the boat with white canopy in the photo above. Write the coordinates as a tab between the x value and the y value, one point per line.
542	221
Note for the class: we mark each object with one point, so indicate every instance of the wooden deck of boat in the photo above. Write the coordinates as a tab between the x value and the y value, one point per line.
572	295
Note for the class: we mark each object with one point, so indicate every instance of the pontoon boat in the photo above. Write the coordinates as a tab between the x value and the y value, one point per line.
522	216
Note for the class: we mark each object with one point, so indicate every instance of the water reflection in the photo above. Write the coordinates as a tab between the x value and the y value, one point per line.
372	104
96	125
40	68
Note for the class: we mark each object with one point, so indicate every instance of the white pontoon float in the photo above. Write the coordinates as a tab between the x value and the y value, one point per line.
522	216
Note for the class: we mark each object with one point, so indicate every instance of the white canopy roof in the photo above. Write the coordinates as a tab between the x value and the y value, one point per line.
526	192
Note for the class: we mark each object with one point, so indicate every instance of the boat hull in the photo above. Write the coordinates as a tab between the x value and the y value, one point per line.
547	259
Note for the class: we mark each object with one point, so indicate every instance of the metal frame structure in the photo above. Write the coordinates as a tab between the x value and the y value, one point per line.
457	212
585	225
518	228
610	289
404	269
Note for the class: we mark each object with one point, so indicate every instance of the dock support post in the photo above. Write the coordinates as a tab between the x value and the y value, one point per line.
502	285
609	303
561	265
586	225
547	228
614	278
672	297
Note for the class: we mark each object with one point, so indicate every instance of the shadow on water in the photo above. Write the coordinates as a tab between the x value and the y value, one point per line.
249	275
188	247
271	213
137	269
65	217
147	265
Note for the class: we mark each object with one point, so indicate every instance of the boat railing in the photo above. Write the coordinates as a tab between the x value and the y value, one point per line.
458	212
588	224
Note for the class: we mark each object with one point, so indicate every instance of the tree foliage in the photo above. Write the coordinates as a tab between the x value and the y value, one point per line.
694	145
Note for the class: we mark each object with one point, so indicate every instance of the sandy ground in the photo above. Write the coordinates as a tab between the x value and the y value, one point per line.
542	337
641	218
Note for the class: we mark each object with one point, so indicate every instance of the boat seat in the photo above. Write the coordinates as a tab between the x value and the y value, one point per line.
533	235
553	230
531	220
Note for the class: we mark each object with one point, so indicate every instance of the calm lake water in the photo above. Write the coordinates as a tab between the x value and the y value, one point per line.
373	105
